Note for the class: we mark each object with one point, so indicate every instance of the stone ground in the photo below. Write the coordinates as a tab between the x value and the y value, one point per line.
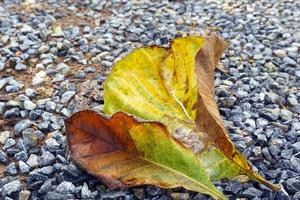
54	57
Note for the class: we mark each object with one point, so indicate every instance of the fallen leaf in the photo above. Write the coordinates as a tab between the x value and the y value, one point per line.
175	86
125	152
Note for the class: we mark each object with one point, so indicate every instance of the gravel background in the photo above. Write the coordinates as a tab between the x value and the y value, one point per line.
54	56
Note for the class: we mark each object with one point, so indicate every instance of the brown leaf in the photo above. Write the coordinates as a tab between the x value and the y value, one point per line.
122	151
208	118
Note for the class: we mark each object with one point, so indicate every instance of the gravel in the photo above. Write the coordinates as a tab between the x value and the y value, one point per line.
55	55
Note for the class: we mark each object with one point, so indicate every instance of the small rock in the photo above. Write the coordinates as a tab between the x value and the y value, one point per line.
293	185
11	188
3	157
45	187
30	92
66	188
270	66
50	106
180	21
287	153
274	150
261	123
280	53
11	169
20	67
85	192
289	61
46	159
296	126
43	49
153	190
4	39
57	196
23	167
266	153
12	88
39	78
139	193
29	105
2	66
251	123
67	96
270	114
9	143
296	147
252	193
13	112
24	195
13	103
262	138
297	195
4	136
22	155
63	68
22	125
295	162
258	56
2	107
52	144
180	196
257	151
65	112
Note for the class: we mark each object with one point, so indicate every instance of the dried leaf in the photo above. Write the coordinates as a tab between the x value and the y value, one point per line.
175	86
123	151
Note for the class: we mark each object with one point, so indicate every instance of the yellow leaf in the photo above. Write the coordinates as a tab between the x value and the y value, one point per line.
175	86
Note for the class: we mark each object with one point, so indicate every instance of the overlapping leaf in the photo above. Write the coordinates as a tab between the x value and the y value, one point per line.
125	152
176	87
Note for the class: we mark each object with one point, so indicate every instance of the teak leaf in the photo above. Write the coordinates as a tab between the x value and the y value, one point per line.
175	86
123	151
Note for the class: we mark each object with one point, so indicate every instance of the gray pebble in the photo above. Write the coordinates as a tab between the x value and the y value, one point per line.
65	188
11	188
45	187
33	161
50	106
4	136
22	155
67	96
24	195
20	66
46	159
12	88
252	193
51	144
11	169
3	157
22	125
30	92
23	167
2	107
9	143
85	192
39	78
293	185
29	105
295	162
